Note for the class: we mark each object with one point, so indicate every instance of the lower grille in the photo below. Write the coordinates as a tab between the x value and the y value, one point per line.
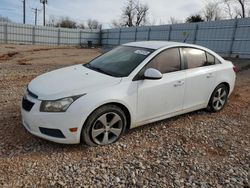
52	132
27	105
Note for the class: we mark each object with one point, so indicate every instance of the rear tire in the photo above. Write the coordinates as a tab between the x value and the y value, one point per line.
218	99
104	126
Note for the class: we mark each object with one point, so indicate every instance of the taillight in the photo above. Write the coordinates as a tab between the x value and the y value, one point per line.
235	69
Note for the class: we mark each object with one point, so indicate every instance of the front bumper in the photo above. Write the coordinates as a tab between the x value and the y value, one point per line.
34	120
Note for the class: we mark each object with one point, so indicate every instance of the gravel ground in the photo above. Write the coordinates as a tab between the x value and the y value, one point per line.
198	149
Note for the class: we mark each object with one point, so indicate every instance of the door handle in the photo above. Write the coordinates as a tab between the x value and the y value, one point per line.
210	75
179	83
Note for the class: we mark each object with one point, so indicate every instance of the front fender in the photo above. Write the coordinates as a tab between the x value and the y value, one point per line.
124	94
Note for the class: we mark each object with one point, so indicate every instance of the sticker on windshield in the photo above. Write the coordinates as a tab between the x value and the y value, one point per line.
142	52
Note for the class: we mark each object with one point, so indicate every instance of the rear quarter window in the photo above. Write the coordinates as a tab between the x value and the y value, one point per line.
210	59
217	61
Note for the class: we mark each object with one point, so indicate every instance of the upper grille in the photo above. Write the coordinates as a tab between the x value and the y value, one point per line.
27	105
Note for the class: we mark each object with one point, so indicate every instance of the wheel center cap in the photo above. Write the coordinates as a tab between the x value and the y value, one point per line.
107	128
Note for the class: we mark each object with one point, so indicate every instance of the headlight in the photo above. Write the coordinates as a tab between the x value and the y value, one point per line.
60	105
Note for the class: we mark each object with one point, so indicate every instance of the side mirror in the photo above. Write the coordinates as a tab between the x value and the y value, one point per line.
152	74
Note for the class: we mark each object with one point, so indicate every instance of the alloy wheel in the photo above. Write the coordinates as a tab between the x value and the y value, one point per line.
219	99
107	128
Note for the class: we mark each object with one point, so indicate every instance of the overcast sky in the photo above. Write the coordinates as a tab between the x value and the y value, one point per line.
103	10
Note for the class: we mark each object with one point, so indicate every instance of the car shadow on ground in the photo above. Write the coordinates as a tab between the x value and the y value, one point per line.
27	144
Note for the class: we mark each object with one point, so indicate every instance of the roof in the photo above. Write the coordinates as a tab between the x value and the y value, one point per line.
153	44
165	44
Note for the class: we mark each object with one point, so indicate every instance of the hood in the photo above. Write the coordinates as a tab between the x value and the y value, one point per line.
70	81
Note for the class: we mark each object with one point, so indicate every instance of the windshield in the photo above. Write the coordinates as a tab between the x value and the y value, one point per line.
119	62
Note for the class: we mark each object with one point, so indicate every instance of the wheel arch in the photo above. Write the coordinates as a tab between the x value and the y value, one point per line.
216	85
125	110
220	83
226	84
118	104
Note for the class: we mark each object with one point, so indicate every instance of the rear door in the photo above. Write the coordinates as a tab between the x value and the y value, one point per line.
200	77
157	98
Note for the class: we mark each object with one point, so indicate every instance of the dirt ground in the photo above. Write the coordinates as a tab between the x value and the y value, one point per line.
198	149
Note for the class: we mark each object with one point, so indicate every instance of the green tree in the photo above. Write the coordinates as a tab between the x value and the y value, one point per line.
194	18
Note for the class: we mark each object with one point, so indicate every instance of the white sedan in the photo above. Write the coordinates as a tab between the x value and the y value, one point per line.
132	85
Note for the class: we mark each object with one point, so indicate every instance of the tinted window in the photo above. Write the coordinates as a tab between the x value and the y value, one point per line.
195	58
217	61
167	61
119	62
210	59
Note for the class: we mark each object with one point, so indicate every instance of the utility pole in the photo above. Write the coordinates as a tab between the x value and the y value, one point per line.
35	11
24	11
44	2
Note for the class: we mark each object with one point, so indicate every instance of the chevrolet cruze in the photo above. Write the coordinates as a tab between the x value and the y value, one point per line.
132	85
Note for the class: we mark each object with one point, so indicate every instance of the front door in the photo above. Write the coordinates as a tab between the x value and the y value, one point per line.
158	98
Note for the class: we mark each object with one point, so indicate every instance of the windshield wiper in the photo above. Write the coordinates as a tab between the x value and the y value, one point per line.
98	69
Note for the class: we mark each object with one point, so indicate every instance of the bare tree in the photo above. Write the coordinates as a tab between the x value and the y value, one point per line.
51	22
66	23
94	24
116	24
242	11
128	13
211	11
4	19
141	13
228	8
81	26
234	8
134	13
174	20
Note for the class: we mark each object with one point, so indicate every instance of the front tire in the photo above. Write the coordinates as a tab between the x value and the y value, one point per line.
104	126
218	99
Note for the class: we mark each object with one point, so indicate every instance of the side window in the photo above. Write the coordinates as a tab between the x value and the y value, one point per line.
217	61
167	61
210	59
195	57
